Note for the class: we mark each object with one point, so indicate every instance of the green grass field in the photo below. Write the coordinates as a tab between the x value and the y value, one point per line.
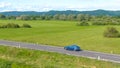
11	57
13	64
62	33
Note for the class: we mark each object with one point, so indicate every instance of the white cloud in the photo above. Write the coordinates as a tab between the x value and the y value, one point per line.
4	4
41	5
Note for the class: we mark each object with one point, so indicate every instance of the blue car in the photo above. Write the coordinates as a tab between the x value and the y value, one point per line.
72	48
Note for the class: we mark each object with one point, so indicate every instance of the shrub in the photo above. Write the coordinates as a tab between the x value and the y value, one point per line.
82	23
26	26
3	26
98	23
111	32
10	25
104	22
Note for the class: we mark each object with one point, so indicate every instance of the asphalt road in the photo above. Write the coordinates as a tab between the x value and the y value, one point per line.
88	54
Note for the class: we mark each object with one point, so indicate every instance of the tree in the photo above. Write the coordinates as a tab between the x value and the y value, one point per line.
23	17
33	17
10	17
56	17
62	17
71	17
48	17
42	17
81	17
2	16
87	17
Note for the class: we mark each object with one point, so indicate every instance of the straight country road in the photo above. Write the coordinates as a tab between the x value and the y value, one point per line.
88	54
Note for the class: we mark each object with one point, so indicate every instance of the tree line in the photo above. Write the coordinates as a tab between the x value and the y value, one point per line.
81	18
47	17
78	17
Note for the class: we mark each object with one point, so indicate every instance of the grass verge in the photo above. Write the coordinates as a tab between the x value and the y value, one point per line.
25	58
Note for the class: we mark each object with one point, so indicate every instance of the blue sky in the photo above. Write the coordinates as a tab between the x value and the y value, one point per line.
46	5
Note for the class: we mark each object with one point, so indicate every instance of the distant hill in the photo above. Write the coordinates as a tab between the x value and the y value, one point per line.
95	12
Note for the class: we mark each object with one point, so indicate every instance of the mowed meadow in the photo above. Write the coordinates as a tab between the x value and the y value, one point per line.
62	33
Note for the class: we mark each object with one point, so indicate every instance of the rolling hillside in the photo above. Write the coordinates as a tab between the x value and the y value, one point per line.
53	12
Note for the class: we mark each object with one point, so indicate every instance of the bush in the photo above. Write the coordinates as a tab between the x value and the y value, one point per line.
10	25
104	22
26	26
83	23
98	23
111	32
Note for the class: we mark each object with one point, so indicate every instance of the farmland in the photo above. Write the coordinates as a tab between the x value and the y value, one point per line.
62	33
59	34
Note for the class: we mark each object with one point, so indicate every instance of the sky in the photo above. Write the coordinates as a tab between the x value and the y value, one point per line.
47	5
